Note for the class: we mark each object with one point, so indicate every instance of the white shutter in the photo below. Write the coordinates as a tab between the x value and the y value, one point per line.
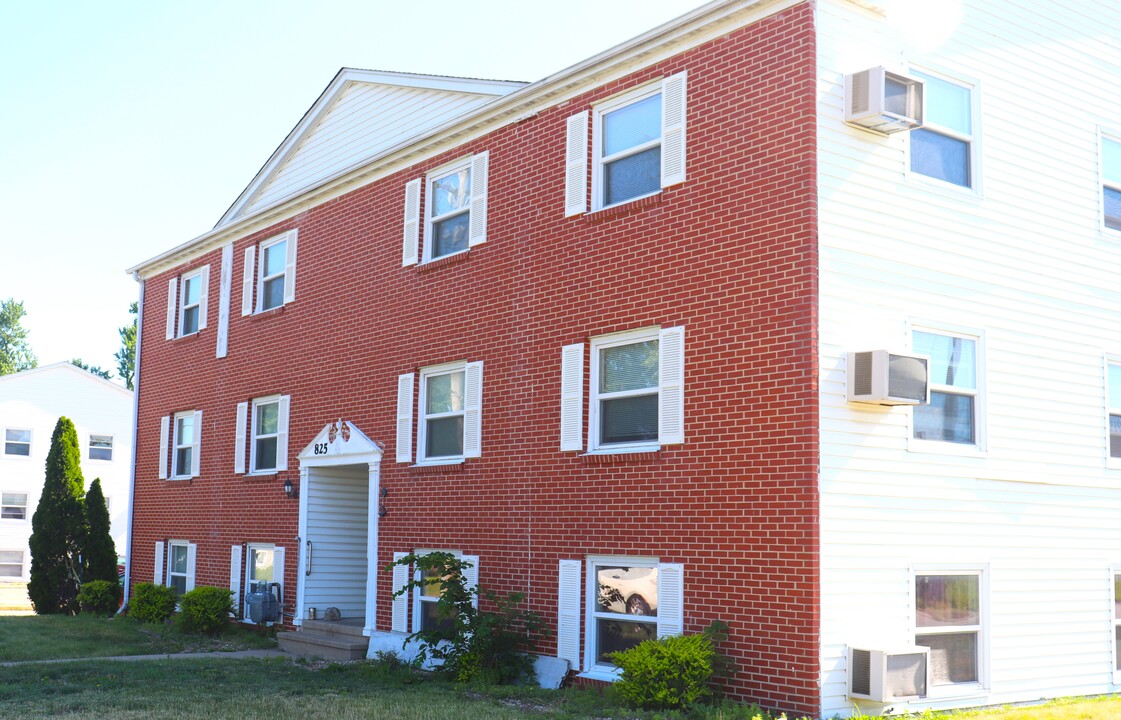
247	275
400	613
478	230
282	432
671	599
473	410
204	294
671	386
471	576
225	281
239	437
409	254
290	269
576	165
673	130
192	555
405	418
568	612
157	572
278	572
235	578
572	397
172	297
165	430
196	458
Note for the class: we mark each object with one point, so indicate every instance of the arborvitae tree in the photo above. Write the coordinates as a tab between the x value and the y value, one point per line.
100	554
58	527
126	356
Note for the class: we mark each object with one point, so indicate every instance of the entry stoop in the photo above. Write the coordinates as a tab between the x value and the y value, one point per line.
337	640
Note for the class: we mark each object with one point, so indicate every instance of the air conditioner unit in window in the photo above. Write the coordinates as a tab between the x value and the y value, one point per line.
889	675
883	101
879	377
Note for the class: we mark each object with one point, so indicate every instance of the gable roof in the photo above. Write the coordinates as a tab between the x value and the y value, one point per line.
359	115
64	366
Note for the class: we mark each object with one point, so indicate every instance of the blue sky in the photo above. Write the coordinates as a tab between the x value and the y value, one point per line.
130	127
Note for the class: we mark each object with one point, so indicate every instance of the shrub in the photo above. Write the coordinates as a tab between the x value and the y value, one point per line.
664	674
100	597
205	609
152	603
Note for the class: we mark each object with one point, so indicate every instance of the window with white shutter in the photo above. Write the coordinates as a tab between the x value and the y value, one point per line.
187	300
425	614
269	274
186	443
268	445
454	210
449	418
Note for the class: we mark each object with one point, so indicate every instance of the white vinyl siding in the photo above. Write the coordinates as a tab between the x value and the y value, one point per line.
338	505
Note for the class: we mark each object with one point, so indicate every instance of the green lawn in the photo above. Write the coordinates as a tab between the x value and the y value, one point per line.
44	637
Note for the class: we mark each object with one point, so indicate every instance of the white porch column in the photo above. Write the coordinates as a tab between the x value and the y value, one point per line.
372	548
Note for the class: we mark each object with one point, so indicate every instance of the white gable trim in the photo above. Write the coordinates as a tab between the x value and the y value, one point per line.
340	443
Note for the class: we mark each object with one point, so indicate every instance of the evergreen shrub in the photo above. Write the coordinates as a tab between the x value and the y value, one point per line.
99	597
670	673
152	603
205	609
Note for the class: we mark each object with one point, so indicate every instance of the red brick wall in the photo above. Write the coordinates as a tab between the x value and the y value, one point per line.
730	255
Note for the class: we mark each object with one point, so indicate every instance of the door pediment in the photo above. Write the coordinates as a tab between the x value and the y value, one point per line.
340	443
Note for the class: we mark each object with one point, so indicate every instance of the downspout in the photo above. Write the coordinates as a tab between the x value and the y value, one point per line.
135	445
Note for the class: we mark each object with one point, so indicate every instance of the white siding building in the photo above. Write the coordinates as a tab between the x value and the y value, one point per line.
31	402
987	524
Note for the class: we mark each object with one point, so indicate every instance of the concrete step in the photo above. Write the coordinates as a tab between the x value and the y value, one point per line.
327	646
351	627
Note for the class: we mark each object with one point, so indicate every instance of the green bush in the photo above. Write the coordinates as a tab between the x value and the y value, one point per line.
152	603
669	673
99	597
205	609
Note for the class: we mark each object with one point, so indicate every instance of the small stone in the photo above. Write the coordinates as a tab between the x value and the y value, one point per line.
332	613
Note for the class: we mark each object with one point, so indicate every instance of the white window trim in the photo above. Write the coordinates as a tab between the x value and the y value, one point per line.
979	446
1115	622
429	240
472	412
246	586
260	272
183	306
973	139
89	446
30	444
189	575
1105	134
176	473
593	669
253	470
24	572
26	501
598	160
1108	360
981	570
599	343
416	598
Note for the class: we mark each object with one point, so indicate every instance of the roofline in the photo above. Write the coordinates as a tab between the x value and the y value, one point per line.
62	365
342	80
517	106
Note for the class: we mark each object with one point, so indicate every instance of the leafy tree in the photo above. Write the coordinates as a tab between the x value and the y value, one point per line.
15	351
58	527
92	369
99	554
126	356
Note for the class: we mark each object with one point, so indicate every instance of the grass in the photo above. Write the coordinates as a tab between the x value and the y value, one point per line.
44	637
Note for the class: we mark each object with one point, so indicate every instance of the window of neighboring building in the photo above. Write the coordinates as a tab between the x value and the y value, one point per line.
269	274
944	147
628	151
1111	182
1117	624
101	447
17	442
948	616
266	434
1113	409
952	415
449	212
624	605
449	420
13	506
11	563
184	442
178	567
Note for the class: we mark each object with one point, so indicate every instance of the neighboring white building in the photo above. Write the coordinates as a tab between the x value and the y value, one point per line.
31	402
987	524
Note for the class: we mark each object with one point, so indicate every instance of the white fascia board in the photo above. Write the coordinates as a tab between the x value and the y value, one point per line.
698	26
65	366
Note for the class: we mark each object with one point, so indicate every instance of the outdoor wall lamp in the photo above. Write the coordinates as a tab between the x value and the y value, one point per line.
382	512
289	491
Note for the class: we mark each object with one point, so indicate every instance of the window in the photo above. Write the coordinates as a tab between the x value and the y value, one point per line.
1117	624
638	146
425	616
260	567
952	415
625	606
268	434
178	567
17	442
449	426
1111	182
266	431
13	506
455	210
184	430
1113	407
11	563
636	391
269	274
948	615
186	302
944	148
101	447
